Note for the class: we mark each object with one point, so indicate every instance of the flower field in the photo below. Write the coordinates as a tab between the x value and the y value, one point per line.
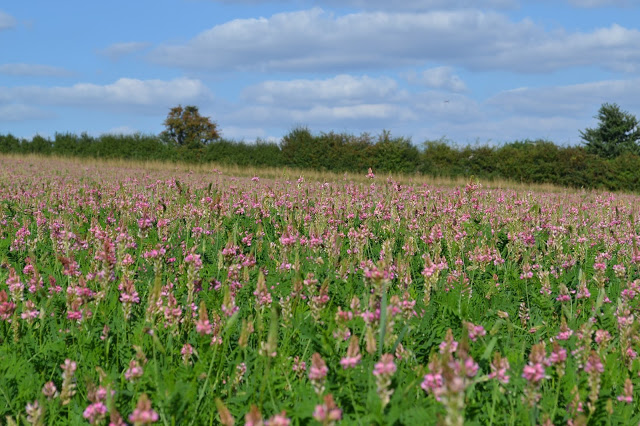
132	294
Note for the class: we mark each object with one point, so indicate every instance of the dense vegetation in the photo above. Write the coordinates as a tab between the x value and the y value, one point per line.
137	295
522	161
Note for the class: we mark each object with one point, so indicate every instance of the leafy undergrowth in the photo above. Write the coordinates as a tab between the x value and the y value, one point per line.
137	296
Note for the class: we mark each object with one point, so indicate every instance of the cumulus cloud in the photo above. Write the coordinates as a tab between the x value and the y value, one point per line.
495	130
315	40
124	92
438	78
397	5
423	5
367	107
600	3
117	50
554	112
244	133
611	48
33	70
20	112
6	21
334	116
343	100
577	100
339	90
122	130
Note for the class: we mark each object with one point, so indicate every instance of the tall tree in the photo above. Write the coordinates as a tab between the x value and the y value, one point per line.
186	127
617	133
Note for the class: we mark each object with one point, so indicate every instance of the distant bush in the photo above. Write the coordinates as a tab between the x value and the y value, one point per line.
528	161
618	133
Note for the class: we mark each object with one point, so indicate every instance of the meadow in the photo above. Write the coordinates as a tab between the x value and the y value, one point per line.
148	293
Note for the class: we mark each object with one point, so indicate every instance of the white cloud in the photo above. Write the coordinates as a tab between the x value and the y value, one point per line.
243	133
613	48
422	4
317	41
33	70
340	90
122	130
438	78
20	112
117	50
577	100
6	21
443	106
600	3
340	100
396	5
361	115
555	112
495	130
124	92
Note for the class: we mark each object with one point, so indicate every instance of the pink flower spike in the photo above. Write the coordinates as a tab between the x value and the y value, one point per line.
386	366
627	396
95	412
533	372
143	414
278	420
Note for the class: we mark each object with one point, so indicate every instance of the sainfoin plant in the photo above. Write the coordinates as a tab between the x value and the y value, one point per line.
147	295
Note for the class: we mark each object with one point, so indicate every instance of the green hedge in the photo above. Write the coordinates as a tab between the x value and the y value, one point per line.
537	161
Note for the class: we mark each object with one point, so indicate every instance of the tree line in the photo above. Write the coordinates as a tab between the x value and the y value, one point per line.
609	159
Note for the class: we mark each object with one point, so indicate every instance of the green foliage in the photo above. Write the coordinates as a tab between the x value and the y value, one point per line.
9	143
299	149
617	133
186	127
345	152
440	158
526	161
256	354
394	154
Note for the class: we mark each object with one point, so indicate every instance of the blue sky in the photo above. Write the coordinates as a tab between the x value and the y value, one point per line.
468	70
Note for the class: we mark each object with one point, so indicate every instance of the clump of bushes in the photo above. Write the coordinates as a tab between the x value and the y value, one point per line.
529	161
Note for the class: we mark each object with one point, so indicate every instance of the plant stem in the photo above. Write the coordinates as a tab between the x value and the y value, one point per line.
206	382
493	403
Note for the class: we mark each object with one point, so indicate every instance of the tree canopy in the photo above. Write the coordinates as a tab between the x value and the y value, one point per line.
186	127
617	133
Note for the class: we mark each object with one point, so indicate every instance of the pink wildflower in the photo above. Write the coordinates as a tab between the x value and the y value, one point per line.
49	390
565	332
134	371
186	351
353	354
386	366
278	420
6	307
499	368
327	413
594	364
370	174
253	417
143	414
475	331
533	372
203	325
627	396
34	413
383	370
68	385
318	372
95	412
